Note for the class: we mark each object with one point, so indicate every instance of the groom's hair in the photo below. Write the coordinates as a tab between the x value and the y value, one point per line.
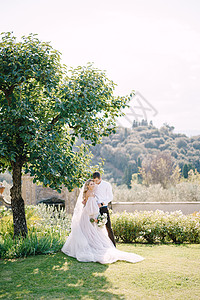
96	175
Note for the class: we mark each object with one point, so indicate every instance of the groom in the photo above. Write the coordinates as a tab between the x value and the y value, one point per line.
104	195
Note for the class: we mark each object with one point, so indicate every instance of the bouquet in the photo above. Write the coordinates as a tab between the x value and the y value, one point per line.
101	220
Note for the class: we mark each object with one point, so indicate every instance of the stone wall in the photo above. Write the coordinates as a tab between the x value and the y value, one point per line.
185	207
33	193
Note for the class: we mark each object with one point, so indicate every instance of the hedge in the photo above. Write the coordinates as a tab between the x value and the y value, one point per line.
156	227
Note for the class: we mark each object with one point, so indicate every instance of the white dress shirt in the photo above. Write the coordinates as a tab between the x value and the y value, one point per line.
103	192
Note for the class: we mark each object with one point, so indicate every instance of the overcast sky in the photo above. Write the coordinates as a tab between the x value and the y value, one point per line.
152	47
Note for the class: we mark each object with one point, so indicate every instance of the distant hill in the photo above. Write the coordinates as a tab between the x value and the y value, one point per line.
122	149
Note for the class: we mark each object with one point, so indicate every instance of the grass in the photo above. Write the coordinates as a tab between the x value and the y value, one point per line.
168	272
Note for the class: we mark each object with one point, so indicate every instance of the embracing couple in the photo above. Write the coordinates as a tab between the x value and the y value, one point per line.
90	240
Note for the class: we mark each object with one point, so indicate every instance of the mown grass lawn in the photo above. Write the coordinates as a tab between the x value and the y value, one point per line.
168	272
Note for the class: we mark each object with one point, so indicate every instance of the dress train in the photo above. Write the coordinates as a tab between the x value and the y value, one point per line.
89	243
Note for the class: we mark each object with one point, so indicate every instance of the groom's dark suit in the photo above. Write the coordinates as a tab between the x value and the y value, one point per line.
104	209
104	195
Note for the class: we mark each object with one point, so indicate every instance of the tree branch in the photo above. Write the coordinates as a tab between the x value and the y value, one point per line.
8	94
56	119
53	122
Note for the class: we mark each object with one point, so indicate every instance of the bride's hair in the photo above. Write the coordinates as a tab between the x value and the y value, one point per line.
86	187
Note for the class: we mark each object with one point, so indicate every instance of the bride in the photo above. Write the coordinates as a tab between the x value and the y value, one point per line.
87	241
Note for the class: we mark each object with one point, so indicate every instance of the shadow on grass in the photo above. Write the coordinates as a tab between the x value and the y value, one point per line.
54	277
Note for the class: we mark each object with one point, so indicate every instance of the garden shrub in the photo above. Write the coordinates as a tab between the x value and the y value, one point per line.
48	228
177	227
153	227
126	227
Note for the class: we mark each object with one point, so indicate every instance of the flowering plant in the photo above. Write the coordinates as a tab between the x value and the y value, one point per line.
156	226
101	220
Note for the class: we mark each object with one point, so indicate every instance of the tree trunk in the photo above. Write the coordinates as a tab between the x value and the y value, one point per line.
17	203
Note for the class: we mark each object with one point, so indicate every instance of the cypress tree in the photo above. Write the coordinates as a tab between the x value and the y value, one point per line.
139	165
185	171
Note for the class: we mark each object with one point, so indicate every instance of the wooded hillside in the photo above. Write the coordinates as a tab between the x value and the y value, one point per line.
123	150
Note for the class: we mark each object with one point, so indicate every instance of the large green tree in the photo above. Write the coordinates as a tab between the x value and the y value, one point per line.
44	107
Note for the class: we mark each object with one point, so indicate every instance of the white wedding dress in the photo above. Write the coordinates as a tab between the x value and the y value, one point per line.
89	243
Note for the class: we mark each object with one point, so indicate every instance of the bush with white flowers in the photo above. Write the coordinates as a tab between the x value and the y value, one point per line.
153	227
48	228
